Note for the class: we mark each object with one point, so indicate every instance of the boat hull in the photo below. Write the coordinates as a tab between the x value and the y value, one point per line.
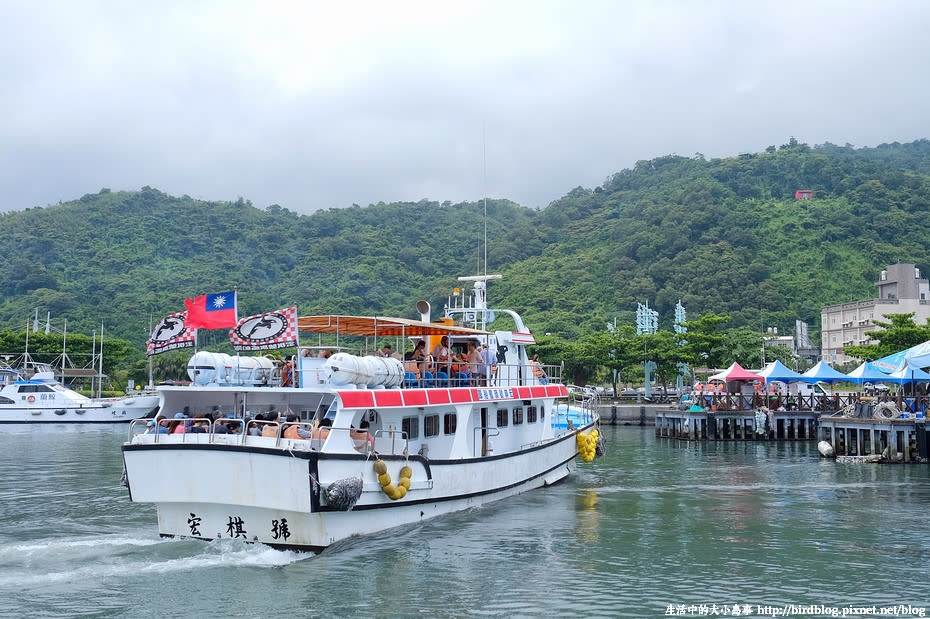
215	491
117	410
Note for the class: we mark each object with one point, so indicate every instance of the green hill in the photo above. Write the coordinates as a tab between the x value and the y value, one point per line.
725	236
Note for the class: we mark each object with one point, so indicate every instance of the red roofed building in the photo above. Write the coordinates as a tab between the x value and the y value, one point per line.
803	194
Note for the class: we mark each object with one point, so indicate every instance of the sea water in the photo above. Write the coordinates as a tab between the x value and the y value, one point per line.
653	528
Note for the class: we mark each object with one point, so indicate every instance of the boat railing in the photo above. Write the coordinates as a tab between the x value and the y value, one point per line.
498	375
391	442
488	432
568	413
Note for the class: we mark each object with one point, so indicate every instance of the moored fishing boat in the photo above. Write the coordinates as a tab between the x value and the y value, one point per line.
362	443
40	398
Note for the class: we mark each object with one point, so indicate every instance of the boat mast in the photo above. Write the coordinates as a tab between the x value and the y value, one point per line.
485	173
100	372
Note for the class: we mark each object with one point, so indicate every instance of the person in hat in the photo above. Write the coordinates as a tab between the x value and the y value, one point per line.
150	427
156	427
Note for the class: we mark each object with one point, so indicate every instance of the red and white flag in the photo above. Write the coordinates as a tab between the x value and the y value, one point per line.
212	311
267	331
171	333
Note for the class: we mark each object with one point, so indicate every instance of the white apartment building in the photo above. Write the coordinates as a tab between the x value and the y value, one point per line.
901	290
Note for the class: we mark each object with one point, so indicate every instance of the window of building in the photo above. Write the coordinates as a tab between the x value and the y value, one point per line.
431	425
411	427
449	423
502	415
518	415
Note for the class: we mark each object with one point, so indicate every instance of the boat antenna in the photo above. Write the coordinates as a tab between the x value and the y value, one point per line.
484	141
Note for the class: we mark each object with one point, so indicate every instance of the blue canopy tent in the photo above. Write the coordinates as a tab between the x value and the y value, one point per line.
822	372
868	373
777	372
908	374
917	356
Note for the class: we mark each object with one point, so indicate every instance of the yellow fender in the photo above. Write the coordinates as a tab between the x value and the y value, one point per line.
393	491
587	444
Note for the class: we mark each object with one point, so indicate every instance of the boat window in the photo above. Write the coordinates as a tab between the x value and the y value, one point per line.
410	427
530	414
517	415
35	389
449	423
502	417
4	400
431	425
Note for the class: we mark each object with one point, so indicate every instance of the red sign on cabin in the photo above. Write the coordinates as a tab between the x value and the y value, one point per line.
803	194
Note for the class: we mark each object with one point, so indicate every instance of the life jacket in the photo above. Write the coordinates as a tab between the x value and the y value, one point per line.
270	429
291	432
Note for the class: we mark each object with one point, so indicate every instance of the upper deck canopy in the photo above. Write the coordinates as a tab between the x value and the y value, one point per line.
380	326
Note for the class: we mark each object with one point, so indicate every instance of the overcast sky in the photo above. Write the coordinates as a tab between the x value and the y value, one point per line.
324	104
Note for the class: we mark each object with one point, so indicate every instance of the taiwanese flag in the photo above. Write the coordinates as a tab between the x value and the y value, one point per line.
212	311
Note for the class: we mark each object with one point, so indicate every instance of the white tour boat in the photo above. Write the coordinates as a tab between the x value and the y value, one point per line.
40	398
384	448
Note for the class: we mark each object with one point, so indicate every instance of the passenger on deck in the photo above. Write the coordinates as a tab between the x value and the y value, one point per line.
287	372
538	370
161	427
296	431
362	437
321	430
199	425
472	359
442	355
270	429
488	360
425	362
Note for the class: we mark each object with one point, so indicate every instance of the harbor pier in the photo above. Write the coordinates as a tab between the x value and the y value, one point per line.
731	425
902	439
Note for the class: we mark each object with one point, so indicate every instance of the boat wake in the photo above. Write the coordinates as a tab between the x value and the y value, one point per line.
42	562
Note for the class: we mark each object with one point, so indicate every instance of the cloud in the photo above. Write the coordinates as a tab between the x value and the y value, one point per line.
318	105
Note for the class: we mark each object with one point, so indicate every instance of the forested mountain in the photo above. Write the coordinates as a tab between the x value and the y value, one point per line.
725	236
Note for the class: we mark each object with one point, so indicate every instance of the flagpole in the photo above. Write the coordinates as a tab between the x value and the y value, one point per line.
93	360
64	350
151	383
299	363
26	352
100	375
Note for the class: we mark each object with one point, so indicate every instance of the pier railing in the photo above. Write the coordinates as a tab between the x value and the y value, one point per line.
780	402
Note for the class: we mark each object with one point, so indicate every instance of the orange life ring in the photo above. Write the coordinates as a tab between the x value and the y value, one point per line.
31	398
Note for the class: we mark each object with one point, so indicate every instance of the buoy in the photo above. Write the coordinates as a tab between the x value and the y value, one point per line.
587	445
394	492
825	449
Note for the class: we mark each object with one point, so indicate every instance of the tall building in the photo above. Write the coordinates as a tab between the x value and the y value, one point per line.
901	290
